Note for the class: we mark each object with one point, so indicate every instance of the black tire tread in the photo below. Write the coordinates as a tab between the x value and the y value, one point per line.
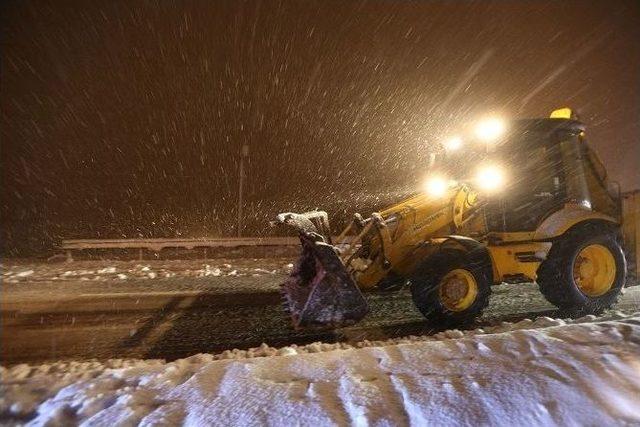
555	279
426	278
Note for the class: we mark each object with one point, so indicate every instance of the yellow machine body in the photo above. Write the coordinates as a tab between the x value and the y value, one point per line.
424	224
421	224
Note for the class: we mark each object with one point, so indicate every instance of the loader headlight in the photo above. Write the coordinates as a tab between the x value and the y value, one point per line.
436	186
490	129
452	144
490	178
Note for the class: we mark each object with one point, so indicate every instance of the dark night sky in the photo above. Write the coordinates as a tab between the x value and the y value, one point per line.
125	118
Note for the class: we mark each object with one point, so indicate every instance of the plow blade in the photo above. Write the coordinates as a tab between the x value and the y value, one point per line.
320	293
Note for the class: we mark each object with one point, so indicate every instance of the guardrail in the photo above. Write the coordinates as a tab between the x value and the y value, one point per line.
157	245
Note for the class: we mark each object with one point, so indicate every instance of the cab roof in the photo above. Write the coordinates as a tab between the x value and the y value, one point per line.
547	125
527	134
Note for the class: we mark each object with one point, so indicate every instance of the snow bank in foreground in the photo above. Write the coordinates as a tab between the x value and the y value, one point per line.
577	373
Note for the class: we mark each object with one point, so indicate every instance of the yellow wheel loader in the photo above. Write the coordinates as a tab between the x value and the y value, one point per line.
518	201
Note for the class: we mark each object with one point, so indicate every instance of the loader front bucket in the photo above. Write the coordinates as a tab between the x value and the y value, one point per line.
320	293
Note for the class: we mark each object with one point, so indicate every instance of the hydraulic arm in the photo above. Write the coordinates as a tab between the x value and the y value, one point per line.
324	287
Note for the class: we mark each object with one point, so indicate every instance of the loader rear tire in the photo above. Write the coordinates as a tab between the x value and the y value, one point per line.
584	272
452	288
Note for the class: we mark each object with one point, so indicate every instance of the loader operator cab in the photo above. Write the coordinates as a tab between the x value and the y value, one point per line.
544	166
531	169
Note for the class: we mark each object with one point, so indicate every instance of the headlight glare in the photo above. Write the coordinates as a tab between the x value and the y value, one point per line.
490	129
453	144
490	178
436	186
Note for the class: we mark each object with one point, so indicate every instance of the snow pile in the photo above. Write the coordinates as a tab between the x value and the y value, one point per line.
541	322
553	373
208	271
152	269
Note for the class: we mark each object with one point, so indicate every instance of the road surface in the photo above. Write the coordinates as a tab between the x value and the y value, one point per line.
57	317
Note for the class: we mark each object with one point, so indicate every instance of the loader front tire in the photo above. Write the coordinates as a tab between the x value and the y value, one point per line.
584	272
392	283
452	288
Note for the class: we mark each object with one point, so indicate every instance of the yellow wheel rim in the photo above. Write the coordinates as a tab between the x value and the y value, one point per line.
594	270
458	290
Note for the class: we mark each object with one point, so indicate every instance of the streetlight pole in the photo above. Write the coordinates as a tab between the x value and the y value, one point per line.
244	153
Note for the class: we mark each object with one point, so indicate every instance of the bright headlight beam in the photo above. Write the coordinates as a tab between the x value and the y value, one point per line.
436	186
490	129
453	144
490	178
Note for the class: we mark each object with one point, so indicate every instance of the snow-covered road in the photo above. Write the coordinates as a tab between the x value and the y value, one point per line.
173	309
545	372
